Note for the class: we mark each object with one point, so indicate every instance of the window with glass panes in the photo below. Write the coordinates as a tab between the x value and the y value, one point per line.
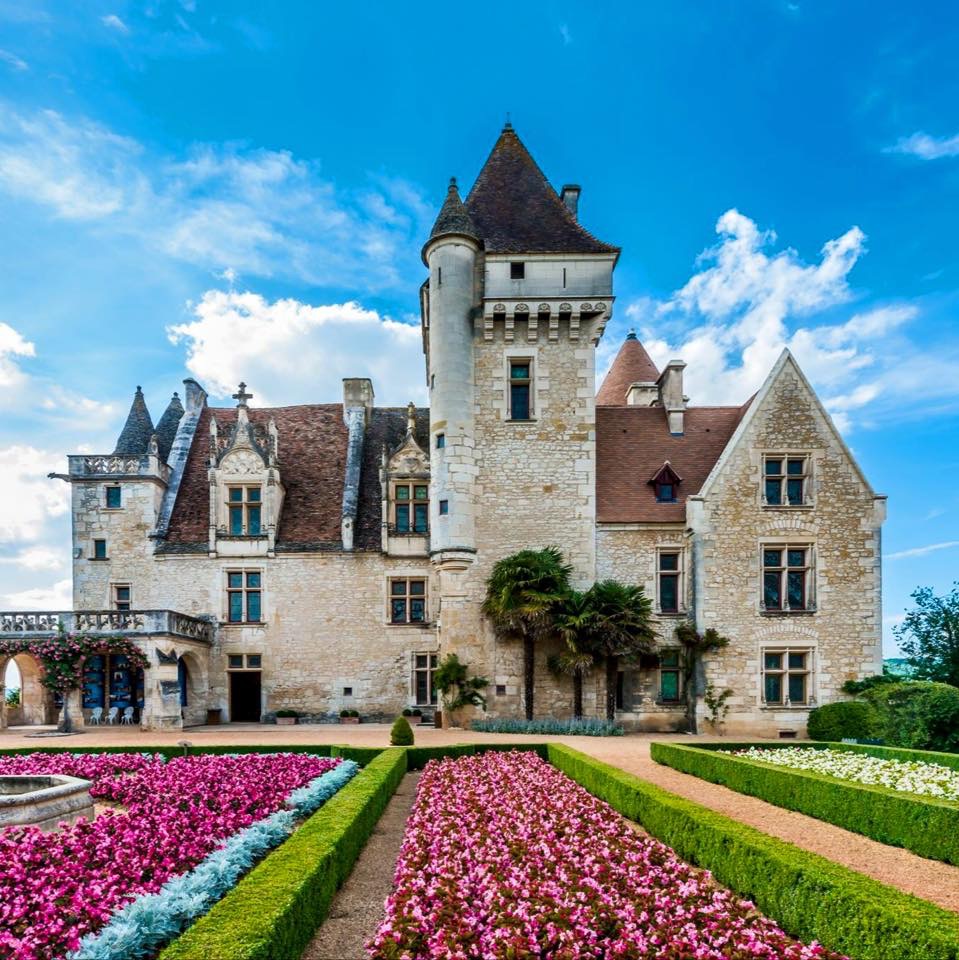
669	676
122	596
785	479
669	581
520	389
407	601
787	579
424	667
245	511
411	507
114	498
787	676
244	596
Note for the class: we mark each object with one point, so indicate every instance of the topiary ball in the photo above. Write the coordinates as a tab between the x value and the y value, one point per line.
402	733
846	720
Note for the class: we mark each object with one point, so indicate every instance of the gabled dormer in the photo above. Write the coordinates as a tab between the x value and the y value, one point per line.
405	480
665	481
246	491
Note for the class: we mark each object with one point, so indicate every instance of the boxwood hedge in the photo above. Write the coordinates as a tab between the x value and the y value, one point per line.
808	896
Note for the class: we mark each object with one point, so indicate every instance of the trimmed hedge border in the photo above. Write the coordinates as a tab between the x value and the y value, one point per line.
810	897
926	826
276	908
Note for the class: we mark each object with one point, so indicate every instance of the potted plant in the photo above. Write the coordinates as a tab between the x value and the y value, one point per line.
286	717
413	716
349	716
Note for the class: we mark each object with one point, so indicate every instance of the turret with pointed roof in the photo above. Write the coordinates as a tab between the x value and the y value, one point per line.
453	219
167	427
135	436
632	365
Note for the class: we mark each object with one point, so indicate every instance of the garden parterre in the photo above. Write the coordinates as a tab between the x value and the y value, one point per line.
506	857
918	777
172	815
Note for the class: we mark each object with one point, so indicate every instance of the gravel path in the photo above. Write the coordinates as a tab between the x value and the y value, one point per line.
357	908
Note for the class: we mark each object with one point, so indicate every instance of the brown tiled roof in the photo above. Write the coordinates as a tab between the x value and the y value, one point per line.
515	209
632	443
312	448
632	365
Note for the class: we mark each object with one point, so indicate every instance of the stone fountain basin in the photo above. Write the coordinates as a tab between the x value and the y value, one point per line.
44	801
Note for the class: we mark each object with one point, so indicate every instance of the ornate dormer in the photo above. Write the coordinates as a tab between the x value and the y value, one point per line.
246	493
405	479
665	481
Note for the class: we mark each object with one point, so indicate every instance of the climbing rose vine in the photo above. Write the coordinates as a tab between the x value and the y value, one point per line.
504	857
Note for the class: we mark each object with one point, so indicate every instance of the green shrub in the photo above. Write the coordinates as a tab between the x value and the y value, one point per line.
853	719
808	896
402	733
288	713
407	712
583	726
927	827
273	912
918	714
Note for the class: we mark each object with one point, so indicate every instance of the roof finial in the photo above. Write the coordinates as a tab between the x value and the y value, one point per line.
631	335
241	396
507	125
410	418
452	186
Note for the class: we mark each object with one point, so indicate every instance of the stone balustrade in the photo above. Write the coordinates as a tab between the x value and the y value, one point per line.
132	623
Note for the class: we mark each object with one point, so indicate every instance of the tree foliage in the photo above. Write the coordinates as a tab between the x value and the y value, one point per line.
458	688
929	636
575	620
695	646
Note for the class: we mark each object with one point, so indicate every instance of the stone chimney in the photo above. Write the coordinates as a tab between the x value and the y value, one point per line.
570	196
358	392
195	396
671	395
642	394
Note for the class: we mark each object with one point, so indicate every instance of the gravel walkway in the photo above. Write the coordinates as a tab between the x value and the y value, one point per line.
357	908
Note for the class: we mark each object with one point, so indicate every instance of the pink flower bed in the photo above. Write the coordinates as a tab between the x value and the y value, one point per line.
55	887
506	857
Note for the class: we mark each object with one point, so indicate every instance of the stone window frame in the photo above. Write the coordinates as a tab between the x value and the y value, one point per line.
412	483
94	550
676	668
680	573
107	490
245	588
432	662
808	671
116	586
521	356
810	569
245	665
806	476
407	596
245	505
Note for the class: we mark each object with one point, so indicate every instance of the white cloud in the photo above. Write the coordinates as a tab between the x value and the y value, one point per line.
28	499
13	61
926	147
56	596
565	34
260	212
37	558
922	551
112	21
12	378
292	352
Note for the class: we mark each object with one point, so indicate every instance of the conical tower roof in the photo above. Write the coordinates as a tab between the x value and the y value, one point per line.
515	209
134	439
453	219
632	365
166	428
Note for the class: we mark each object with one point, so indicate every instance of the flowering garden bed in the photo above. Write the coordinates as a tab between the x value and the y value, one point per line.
504	856
123	883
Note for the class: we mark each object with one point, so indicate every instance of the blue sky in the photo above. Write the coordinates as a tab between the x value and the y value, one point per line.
240	190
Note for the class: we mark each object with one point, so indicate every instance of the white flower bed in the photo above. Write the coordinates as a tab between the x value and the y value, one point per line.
925	779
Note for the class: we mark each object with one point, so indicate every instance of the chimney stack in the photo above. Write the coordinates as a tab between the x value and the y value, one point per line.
671	396
358	392
570	197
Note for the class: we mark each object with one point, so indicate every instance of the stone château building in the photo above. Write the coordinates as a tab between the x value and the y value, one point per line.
323	556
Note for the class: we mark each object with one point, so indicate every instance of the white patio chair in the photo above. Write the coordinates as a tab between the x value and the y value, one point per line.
113	714
127	715
96	715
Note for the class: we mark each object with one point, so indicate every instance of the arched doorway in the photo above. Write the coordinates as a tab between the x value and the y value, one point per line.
33	705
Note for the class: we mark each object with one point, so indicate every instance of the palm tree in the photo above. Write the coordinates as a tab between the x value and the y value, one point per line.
574	620
522	595
622	629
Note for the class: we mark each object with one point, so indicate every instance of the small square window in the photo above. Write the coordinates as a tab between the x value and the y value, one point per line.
236	661
444	507
347	691
254	660
440	441
99	549
114	498
517	270
501	689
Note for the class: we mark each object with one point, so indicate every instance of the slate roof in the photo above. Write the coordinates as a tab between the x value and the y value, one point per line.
166	428
453	217
632	365
632	443
515	210
312	460
135	436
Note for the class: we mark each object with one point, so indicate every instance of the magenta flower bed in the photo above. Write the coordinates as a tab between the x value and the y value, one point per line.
56	887
506	857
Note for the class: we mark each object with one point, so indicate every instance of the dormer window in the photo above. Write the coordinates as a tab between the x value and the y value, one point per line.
245	511
665	481
411	507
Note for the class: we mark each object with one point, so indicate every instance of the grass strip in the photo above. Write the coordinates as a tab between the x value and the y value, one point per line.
810	897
